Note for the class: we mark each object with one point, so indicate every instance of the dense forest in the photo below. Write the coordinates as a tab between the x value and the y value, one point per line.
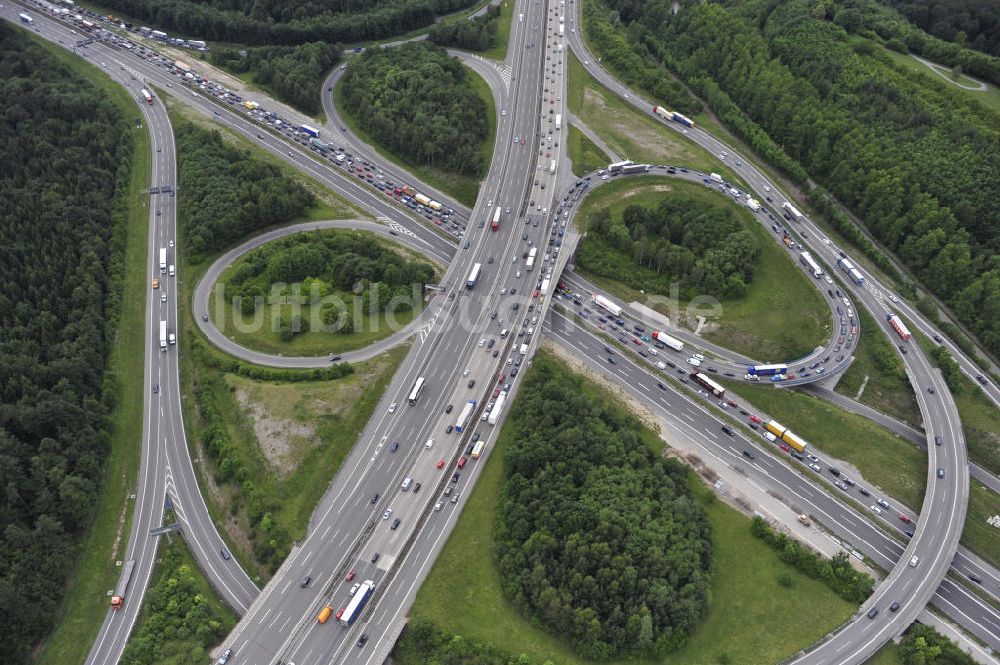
66	153
287	22
227	193
973	23
702	246
477	34
327	262
597	537
178	624
419	103
910	158
294	73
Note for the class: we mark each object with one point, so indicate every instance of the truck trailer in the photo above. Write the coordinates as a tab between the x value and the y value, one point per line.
497	408
118	599
163	335
311	131
671	342
790	212
607	305
163	259
463	417
898	325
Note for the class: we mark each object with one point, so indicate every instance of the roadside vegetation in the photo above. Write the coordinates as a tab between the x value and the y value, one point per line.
920	193
752	592
755	324
878	373
971	23
71	341
584	153
978	535
584	498
294	74
476	34
182	616
320	292
426	110
887	462
288	22
631	134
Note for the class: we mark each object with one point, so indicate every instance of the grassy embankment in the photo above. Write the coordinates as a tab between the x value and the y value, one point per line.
584	153
888	391
753	592
886	461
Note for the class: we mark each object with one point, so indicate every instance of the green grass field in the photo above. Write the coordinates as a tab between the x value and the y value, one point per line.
85	603
499	51
890	463
463	188
981	424
748	620
629	133
584	153
889	393
979	536
756	325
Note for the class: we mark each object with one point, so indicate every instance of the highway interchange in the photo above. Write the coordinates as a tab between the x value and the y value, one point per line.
346	528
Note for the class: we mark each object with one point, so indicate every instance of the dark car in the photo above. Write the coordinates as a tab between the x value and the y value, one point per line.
448	429
872	613
455	477
363	640
376	557
374	497
472	383
448	408
305	581
394	447
225	554
395	524
894	607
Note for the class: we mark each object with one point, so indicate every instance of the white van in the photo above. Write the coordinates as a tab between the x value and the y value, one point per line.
914	561
406	484
694	362
171	270
504	332
430	443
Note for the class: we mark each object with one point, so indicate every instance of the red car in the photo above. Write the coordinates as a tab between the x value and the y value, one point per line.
496	393
756	419
350	576
905	519
461	462
340	613
440	463
637	342
785	447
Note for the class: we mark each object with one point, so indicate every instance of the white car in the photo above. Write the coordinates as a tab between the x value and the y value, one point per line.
430	443
392	408
482	342
353	589
387	513
604	177
466	372
876	509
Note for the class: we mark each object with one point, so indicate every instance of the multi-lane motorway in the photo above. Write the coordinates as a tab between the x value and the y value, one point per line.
347	528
